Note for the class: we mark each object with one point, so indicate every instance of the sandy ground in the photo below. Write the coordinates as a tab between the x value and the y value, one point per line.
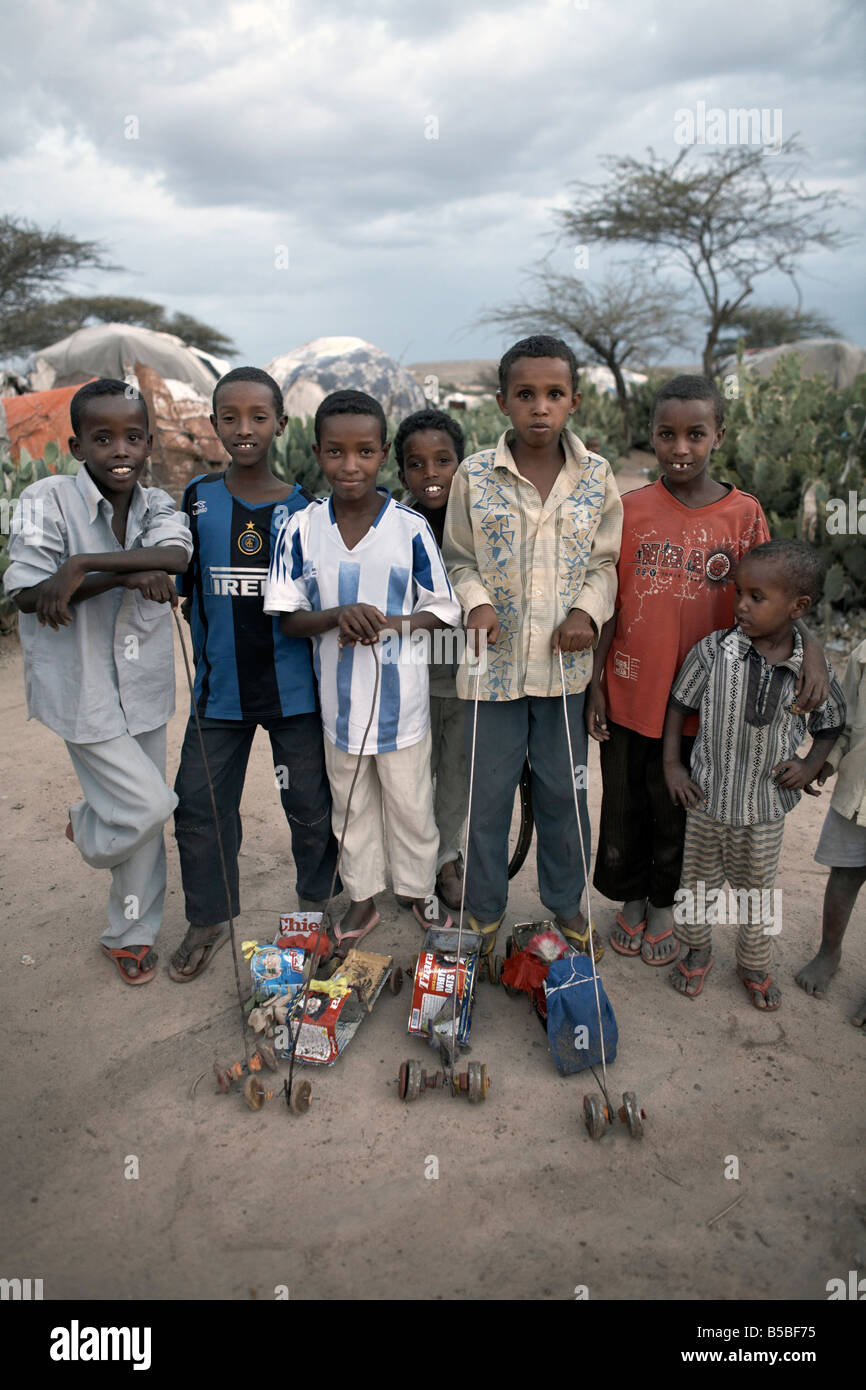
231	1205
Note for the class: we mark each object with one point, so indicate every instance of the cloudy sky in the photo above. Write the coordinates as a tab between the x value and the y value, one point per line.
299	131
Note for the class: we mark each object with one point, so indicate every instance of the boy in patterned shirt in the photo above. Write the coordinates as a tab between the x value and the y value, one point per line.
532	537
746	775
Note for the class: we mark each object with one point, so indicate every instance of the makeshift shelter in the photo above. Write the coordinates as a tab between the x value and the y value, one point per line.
309	373
112	349
839	361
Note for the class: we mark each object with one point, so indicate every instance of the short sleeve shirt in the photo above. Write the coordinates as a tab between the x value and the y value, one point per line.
397	567
675	576
246	669
748	725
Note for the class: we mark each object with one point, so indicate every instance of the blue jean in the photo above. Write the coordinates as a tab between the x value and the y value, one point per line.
508	730
299	761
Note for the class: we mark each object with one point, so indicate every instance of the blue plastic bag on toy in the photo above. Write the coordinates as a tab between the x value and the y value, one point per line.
572	1017
274	969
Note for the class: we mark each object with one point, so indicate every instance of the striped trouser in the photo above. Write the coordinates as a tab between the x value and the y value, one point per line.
747	857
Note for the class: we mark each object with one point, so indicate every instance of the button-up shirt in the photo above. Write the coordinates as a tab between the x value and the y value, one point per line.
532	561
748	724
111	670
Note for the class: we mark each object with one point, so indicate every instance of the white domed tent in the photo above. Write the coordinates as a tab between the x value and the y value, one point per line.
311	372
113	349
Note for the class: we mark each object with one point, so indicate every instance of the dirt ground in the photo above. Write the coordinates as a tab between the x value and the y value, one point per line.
341	1203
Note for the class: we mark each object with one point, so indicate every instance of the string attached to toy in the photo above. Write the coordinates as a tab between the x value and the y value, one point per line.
602	1084
453	1049
219	838
302	1006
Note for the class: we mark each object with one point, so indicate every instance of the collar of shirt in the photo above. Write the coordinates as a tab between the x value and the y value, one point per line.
575	452
383	493
92	497
742	646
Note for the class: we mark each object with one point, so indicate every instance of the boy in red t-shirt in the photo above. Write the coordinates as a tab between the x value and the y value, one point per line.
682	537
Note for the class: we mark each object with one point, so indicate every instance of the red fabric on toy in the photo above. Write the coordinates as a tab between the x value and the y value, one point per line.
524	971
305	941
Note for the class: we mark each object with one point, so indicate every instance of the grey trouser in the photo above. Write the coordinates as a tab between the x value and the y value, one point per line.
118	826
448	766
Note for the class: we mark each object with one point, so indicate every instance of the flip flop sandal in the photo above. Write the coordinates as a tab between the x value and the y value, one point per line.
486	930
580	940
208	949
425	923
653	941
701	971
119	955
353	937
754	988
631	933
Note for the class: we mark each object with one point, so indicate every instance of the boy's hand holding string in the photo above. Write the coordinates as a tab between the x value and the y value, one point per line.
356	622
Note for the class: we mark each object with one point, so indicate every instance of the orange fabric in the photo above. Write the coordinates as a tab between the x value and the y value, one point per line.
37	417
675	576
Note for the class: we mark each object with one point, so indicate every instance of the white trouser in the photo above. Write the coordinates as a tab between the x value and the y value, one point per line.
118	826
393	795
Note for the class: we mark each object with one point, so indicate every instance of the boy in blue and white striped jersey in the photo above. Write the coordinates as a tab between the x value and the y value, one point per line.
352	569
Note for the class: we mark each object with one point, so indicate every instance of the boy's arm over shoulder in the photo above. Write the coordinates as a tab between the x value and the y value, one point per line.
458	545
597	595
829	719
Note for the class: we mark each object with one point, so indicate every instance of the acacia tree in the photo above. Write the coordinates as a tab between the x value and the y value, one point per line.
628	319
736	215
34	264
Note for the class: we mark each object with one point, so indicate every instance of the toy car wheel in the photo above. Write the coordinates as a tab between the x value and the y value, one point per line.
410	1081
268	1056
395	981
634	1116
509	946
477	1076
254	1092
594	1116
498	964
301	1097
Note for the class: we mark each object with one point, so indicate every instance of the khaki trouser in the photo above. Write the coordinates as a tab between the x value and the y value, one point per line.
393	795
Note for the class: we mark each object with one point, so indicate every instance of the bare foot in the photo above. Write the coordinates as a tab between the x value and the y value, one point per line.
816	976
688	975
859	1018
360	917
194	953
450	883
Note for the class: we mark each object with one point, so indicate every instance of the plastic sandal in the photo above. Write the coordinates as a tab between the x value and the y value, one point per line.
653	941
631	933
754	988
121	954
701	971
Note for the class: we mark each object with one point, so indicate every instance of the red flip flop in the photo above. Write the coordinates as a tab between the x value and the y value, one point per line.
755	988
137	956
701	971
653	941
631	933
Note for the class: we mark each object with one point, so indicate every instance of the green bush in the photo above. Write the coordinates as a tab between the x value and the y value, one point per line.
799	446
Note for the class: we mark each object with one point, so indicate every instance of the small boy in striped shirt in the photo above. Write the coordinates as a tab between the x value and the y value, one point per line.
746	775
357	571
